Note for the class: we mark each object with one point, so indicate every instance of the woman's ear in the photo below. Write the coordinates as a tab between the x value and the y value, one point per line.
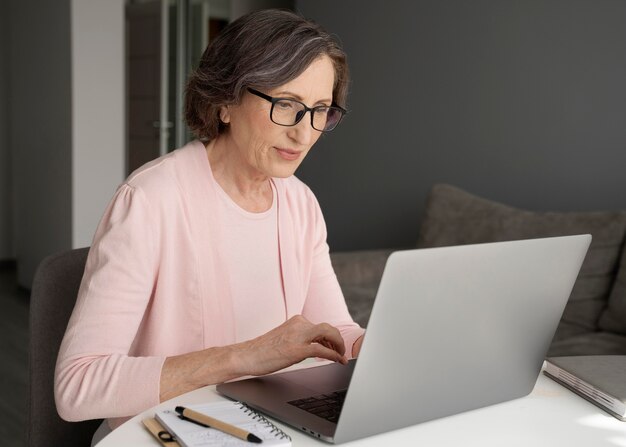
225	114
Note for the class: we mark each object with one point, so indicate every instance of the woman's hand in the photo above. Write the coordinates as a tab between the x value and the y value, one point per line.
291	342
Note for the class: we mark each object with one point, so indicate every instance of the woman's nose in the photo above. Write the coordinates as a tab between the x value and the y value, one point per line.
302	133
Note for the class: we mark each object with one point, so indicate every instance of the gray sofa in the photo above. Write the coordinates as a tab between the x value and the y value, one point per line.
594	321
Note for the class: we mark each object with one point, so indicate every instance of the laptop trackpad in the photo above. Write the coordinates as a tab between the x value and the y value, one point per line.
322	379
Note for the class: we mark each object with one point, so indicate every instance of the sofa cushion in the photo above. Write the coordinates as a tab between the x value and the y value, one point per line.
591	343
359	273
614	316
455	217
362	268
360	301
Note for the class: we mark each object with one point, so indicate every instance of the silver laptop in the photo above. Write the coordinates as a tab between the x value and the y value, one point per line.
452	329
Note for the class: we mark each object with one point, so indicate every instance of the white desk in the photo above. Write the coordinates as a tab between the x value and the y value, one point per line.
550	416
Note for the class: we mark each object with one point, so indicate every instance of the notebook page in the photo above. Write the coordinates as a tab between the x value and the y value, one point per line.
189	434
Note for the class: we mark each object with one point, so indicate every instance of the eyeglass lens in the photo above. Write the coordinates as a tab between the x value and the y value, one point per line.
288	113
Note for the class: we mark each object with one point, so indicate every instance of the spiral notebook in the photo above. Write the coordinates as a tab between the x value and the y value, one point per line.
188	434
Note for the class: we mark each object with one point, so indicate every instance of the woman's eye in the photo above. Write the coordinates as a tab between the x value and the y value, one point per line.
321	110
284	105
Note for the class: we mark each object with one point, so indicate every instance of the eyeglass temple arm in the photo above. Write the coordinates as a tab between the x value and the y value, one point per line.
261	95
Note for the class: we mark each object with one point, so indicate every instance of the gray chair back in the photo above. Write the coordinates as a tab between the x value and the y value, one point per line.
55	288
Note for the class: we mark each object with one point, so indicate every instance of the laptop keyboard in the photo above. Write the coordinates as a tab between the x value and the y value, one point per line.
326	406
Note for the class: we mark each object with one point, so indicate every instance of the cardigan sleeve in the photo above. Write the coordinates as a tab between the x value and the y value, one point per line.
324	300
95	376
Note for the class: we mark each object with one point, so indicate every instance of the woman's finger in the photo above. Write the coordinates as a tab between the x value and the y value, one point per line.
318	350
328	336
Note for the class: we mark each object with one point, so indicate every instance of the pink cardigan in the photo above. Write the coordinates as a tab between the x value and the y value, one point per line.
154	286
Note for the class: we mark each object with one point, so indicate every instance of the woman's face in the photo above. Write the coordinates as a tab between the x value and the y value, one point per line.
265	148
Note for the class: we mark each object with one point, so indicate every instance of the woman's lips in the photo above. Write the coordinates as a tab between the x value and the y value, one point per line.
288	154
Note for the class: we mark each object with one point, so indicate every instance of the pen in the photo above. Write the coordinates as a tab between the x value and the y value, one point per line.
203	419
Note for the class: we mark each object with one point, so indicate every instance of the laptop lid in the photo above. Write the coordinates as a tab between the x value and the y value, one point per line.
452	329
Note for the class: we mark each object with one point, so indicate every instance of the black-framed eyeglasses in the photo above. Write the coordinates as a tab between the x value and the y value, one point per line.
289	112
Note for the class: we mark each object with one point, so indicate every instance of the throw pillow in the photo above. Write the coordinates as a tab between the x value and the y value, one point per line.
455	217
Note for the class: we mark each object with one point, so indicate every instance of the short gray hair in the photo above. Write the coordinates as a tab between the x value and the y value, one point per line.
262	50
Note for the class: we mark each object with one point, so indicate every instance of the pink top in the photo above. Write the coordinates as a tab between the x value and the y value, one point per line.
156	284
250	254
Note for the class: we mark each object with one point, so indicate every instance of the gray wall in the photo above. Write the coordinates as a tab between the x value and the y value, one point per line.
6	214
40	101
98	122
241	7
65	118
523	102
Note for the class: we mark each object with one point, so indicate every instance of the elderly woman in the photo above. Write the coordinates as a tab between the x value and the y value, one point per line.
211	262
